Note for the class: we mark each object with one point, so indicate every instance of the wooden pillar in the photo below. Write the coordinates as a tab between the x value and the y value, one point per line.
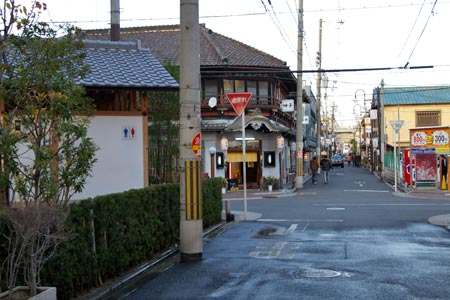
144	109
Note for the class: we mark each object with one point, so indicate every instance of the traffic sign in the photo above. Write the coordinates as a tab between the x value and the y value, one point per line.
239	101
197	145
287	105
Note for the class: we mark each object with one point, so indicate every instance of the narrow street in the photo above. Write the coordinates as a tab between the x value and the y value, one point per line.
350	239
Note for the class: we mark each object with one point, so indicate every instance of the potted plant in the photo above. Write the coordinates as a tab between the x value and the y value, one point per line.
270	180
224	185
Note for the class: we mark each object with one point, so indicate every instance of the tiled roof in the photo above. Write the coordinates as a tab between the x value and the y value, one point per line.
124	65
215	50
416	95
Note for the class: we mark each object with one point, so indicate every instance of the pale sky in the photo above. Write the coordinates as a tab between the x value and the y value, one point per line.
356	34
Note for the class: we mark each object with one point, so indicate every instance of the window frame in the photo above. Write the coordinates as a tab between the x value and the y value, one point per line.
427	118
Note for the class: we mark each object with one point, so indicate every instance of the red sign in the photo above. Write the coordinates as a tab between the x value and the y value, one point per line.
407	167
197	145
239	101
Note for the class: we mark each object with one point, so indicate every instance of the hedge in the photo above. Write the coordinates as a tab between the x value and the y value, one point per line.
114	233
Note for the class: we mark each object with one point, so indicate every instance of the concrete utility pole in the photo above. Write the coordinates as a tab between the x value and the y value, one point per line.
319	94
299	134
191	225
382	137
115	20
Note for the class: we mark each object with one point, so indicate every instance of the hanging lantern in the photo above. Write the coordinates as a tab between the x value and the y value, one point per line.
280	143
224	144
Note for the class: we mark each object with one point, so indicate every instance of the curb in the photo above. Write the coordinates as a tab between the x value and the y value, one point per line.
440	220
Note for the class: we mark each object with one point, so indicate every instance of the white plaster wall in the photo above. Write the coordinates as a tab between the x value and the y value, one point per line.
269	144
120	160
211	140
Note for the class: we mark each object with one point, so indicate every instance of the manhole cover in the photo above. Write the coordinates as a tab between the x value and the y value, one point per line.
318	273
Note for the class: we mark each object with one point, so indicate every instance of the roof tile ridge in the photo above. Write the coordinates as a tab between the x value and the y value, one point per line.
116	45
252	48
143	29
207	33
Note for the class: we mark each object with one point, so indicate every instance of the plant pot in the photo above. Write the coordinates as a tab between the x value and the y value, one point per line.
44	293
269	187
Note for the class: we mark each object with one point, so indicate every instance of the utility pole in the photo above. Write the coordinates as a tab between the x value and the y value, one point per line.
191	225
319	87
382	137
299	133
333	134
115	20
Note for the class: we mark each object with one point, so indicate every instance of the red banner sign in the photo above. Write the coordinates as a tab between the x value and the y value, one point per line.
197	145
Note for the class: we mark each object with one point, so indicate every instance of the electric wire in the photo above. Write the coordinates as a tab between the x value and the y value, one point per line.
423	30
412	28
242	14
276	21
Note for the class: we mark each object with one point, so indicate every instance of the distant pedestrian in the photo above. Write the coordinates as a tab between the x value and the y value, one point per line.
314	166
348	158
326	166
444	168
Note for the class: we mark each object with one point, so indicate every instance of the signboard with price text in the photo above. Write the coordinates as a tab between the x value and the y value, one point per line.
431	137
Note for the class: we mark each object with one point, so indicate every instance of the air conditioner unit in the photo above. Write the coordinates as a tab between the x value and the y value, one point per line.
305	120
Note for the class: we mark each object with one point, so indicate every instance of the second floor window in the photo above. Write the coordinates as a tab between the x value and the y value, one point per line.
211	88
428	118
262	90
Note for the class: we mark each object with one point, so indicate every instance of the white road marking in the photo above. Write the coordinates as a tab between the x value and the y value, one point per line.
335	208
367	191
385	204
300	220
276	251
284	231
291	228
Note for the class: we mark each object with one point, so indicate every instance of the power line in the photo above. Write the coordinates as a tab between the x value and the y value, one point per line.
423	30
412	28
247	14
273	16
321	70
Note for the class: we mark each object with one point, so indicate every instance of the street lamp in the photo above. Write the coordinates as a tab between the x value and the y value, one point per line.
364	99
396	125
212	151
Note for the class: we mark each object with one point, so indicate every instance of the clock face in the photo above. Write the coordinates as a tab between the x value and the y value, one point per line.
212	102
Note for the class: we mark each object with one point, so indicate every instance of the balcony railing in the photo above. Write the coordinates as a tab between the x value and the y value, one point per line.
268	103
263	102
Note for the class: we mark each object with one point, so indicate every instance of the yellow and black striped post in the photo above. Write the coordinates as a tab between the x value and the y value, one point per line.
193	190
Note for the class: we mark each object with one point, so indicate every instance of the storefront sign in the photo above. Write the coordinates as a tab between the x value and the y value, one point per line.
432	137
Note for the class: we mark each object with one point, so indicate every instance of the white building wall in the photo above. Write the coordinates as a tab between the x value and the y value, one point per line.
120	158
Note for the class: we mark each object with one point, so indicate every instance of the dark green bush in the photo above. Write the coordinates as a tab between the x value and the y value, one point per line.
114	233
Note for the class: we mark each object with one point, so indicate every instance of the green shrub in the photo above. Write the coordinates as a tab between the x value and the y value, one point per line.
116	232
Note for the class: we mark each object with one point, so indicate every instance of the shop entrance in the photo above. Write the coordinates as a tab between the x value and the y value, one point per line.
235	167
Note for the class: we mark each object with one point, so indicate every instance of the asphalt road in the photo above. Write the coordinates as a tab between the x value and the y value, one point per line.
349	239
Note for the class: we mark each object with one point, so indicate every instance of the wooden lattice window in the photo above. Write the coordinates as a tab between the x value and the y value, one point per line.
428	118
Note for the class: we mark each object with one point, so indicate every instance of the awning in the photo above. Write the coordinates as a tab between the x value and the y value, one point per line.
237	157
256	120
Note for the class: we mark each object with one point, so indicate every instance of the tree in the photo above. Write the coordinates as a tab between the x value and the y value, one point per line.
33	235
46	155
164	110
